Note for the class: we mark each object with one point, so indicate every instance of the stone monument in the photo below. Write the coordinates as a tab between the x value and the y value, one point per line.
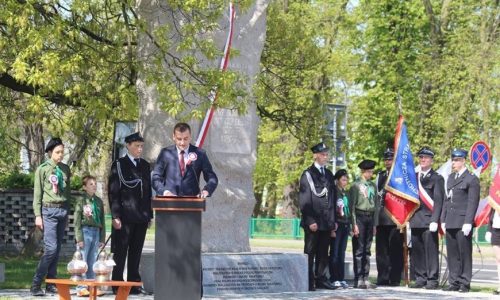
231	141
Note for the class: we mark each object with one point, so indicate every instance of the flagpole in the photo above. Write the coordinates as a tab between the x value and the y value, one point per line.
405	257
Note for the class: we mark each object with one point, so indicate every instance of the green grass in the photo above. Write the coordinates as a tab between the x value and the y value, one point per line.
19	271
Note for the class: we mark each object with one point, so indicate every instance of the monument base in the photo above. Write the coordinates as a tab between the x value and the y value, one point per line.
243	273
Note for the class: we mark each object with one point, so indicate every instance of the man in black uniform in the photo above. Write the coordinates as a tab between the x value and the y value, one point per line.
317	205
424	223
389	241
130	203
457	220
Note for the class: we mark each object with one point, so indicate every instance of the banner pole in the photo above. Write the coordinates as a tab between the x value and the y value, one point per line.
405	257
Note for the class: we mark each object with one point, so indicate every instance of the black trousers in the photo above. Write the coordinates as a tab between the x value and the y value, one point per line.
361	246
316	247
389	254
425	256
459	249
128	240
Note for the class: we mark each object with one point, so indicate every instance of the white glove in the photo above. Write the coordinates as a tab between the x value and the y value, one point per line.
433	227
487	236
443	227
466	228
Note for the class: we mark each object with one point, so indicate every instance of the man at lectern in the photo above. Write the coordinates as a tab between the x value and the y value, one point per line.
178	167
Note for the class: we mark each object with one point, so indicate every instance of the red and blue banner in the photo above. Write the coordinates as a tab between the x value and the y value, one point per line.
401	199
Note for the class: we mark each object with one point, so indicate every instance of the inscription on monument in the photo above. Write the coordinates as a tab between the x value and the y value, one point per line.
263	273
231	133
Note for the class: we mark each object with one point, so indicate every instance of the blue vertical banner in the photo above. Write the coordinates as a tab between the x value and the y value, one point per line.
401	200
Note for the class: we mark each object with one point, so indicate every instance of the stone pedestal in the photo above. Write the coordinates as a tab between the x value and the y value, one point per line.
243	273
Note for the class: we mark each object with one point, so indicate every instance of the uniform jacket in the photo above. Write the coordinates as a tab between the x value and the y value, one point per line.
81	219
130	204
433	184
461	207
381	216
167	173
314	209
43	190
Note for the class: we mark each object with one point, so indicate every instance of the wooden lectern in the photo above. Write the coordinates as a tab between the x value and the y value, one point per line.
178	247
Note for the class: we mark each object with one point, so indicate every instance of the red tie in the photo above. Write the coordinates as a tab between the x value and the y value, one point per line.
181	163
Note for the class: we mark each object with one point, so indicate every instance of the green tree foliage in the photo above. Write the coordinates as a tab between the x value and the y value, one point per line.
435	61
71	66
301	66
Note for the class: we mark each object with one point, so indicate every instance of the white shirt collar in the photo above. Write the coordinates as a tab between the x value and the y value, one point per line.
424	173
461	172
186	152
318	166
132	159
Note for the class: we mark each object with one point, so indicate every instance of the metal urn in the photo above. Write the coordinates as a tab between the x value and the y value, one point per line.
77	266
102	267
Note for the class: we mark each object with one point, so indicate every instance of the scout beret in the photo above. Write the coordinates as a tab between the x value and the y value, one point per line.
389	153
367	164
425	151
340	173
134	137
54	142
457	152
321	147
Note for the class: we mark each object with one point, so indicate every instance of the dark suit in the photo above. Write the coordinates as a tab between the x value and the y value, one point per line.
425	245
389	240
130	201
460	209
167	173
319	210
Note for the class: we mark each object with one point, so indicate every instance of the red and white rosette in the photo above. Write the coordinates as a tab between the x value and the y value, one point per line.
53	180
191	157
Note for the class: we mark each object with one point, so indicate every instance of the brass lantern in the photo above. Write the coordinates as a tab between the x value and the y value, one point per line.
102	268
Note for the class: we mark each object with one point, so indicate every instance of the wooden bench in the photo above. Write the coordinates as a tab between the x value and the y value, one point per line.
63	286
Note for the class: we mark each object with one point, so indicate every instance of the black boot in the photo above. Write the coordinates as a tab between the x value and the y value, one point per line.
36	290
51	289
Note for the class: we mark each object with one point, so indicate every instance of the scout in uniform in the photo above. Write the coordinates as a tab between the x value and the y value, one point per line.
50	204
457	220
317	206
389	240
90	227
424	223
338	244
362	196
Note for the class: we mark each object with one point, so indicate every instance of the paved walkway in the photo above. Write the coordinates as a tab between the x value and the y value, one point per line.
379	293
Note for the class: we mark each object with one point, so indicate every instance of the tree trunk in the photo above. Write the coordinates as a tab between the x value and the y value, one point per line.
35	144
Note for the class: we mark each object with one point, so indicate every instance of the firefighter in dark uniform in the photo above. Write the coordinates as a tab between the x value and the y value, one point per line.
424	224
457	220
317	205
362	196
389	240
130	202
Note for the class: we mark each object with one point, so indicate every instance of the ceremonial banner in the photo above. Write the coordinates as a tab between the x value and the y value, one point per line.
494	196
401	199
492	201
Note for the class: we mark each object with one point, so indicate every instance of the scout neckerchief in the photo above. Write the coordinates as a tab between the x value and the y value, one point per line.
346	205
60	179
96	211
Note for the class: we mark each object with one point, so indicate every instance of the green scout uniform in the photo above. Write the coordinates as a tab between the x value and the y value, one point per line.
50	201
362	199
44	193
96	219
